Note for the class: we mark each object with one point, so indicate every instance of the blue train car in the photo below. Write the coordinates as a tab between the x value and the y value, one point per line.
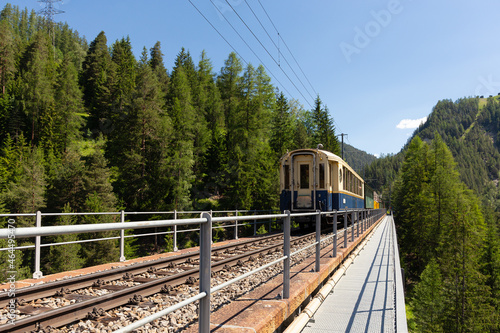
312	179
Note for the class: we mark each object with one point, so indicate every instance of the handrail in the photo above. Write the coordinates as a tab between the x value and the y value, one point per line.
206	225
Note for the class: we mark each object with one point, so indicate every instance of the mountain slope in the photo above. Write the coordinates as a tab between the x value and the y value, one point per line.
471	129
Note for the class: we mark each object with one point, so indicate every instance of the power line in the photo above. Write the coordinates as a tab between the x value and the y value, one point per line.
279	52
263	64
206	19
314	90
246	25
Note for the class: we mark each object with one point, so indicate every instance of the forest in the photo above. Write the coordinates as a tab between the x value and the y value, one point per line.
88	127
443	189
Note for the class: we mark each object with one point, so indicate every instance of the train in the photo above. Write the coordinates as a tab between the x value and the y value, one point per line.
317	179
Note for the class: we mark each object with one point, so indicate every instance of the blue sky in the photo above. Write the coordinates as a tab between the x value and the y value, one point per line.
379	66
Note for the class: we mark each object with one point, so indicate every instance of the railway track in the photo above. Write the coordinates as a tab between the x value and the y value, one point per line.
128	285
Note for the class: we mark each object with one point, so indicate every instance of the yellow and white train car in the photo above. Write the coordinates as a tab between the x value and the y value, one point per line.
312	179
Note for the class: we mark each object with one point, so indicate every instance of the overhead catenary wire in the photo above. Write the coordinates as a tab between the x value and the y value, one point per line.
206	19
314	90
279	52
251	31
263	64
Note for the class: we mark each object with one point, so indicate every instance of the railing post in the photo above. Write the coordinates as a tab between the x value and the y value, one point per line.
363	229
254	224
205	274
345	229
357	223
335	234
38	223
286	253
236	226
175	232
122	237
318	240
352	225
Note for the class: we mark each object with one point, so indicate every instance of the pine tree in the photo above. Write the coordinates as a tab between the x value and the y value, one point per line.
412	211
140	149
68	103
124	79
97	80
491	267
24	182
183	117
100	252
324	130
7	56
466	293
158	66
62	258
208	104
282	134
66	184
35	95
428	302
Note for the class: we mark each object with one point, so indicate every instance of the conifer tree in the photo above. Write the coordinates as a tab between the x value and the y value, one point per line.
159	69
124	79
66	184
141	147
25	183
35	90
428	303
100	252
412	210
7	56
466	294
62	258
282	133
97	80
324	130
210	149
68	103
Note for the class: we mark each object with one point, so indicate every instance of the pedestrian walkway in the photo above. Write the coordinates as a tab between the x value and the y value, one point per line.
369	298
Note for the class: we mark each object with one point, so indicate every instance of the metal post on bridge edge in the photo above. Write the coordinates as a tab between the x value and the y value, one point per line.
352	225
286	253
357	222
38	223
318	240
345	229
236	226
205	272
122	237
175	232
335	235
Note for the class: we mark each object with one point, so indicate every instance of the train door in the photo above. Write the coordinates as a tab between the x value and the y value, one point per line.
304	176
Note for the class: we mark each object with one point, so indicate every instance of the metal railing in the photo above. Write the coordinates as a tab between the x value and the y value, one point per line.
364	219
123	214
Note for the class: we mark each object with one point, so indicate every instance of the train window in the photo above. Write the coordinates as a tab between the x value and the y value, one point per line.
345	180
286	170
304	176
322	175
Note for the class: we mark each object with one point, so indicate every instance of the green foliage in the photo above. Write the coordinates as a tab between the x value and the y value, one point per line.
428	303
262	230
92	128
324	131
441	237
63	258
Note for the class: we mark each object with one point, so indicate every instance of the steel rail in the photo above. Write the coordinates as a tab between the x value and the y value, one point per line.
84	281
68	314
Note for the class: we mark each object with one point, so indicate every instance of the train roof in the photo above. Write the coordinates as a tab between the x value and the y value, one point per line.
329	155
